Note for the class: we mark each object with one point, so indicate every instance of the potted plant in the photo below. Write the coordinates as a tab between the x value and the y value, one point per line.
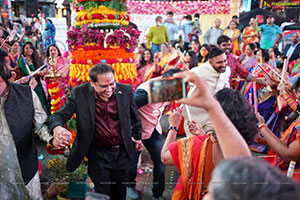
67	184
78	182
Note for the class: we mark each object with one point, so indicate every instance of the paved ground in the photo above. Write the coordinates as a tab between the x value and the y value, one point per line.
144	181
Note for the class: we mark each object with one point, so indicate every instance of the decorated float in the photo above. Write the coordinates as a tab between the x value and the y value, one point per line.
101	34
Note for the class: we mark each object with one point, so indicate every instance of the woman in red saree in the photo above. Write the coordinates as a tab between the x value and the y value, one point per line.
287	147
196	156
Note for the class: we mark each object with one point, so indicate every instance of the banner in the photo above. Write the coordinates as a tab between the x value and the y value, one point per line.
178	7
281	5
61	33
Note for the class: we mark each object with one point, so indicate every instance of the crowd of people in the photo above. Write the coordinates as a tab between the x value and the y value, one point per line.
243	95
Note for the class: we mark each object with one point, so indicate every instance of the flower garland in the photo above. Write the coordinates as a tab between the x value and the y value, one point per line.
100	10
100	16
79	37
94	46
107	61
124	73
55	96
179	7
102	26
96	21
79	55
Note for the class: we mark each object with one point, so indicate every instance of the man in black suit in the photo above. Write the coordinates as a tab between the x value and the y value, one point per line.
293	50
107	119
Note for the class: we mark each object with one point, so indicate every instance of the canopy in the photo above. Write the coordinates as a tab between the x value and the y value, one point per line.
245	17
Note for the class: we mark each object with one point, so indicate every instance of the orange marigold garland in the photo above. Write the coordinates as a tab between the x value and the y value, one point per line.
55	96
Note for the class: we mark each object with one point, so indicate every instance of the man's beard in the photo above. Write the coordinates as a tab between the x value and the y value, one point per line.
228	51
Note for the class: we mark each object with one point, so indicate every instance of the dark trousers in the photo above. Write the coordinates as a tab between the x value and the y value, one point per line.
108	169
154	145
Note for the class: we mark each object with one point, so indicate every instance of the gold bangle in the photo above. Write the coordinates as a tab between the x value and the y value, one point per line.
261	126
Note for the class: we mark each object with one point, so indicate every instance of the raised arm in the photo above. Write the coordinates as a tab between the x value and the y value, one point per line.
228	136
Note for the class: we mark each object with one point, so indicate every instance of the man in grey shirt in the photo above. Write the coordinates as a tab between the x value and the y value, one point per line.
213	33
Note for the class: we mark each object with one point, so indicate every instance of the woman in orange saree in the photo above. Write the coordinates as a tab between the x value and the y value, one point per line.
195	157
250	35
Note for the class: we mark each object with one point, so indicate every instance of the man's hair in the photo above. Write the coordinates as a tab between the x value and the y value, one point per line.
188	17
252	46
269	16
240	113
3	63
99	69
157	18
170	72
214	52
170	13
197	15
223	38
251	179
235	17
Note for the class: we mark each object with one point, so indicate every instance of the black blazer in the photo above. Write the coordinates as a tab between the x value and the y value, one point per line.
295	54
82	102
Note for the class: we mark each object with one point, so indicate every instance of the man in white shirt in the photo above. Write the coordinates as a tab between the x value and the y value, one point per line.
216	73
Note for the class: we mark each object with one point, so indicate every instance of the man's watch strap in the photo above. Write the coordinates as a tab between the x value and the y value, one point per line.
173	128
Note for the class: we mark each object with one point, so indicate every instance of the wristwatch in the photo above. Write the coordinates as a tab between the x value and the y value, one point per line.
173	128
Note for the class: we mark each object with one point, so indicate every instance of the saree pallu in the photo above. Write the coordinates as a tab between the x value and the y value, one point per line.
288	136
265	97
248	62
193	159
285	106
235	44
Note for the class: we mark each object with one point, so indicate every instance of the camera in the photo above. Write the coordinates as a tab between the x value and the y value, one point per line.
168	89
